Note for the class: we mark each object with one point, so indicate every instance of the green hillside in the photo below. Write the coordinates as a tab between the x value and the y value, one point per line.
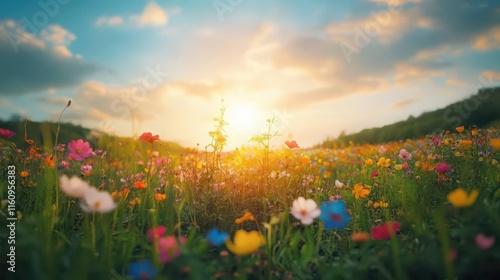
44	134
481	109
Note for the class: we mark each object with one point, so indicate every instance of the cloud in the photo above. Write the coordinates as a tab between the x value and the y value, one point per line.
453	81
41	62
110	21
402	103
154	15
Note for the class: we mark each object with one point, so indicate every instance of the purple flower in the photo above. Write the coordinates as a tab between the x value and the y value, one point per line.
5	133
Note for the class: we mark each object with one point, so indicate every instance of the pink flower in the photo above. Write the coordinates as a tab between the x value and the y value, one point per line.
169	248
155	233
404	155
443	167
79	150
374	173
5	133
484	242
148	137
385	231
292	144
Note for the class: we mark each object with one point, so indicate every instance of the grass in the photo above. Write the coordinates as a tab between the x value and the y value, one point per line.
208	188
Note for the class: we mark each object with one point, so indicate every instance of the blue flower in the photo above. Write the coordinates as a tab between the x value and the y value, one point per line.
216	237
142	270
334	215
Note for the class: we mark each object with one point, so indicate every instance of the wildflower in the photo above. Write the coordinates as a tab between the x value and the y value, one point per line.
442	167
404	155
73	187
96	201
247	216
327	174
305	160
216	237
360	191
79	150
142	270
398	167
335	197
5	133
168	248
87	168
383	162
484	242
305	210
380	204
49	160
359	237
460	129
160	196
495	143
369	161
140	185
148	137
334	215
24	174
155	233
385	231
245	242
453	254
459	197
374	174
292	144
63	165
339	184
494	162
405	166
474	131
134	202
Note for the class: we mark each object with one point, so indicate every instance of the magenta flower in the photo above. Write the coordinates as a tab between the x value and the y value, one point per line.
484	242
5	133
169	248
156	233
404	155
79	150
443	167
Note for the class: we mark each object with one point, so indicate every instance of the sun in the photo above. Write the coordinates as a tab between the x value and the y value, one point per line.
244	120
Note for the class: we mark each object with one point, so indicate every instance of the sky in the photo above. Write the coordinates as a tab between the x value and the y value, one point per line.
316	67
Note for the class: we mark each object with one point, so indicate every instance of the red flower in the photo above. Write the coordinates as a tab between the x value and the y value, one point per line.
374	174
443	167
156	233
5	133
385	231
292	145
148	137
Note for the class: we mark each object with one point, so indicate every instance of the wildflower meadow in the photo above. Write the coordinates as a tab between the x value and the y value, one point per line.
130	208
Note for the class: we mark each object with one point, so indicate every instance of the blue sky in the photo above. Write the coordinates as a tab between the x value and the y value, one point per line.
318	67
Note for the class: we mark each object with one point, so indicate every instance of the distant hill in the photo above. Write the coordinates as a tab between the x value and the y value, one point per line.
43	133
481	109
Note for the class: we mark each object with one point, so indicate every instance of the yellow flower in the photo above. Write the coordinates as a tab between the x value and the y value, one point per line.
245	242
383	162
360	191
494	162
460	129
248	216
369	161
495	143
398	166
457	154
474	132
460	198
305	160
380	204
134	202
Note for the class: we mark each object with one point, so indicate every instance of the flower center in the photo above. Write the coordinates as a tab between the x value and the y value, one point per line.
78	151
97	204
336	217
303	212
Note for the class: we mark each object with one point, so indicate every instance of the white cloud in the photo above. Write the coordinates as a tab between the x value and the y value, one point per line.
113	20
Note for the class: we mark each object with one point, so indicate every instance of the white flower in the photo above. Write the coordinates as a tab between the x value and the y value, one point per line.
339	184
74	187
305	210
96	201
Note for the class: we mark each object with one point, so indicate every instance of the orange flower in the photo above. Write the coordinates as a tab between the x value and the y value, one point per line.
360	191
248	216
495	143
360	236
140	185
49	160
305	160
134	202
460	129
327	174
24	174
474	131
160	196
